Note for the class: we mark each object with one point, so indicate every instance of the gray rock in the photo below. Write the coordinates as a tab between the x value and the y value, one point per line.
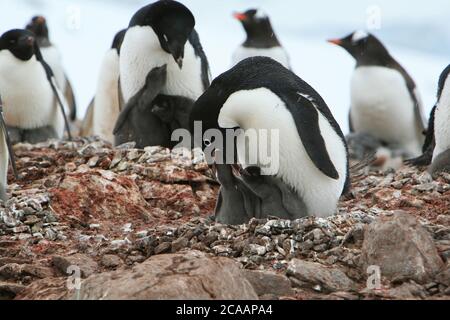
86	264
401	247
269	283
188	276
10	290
111	261
312	274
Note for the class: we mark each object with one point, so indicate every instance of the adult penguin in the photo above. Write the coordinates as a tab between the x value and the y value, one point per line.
52	55
261	38
34	108
161	55
436	149
385	102
260	94
104	109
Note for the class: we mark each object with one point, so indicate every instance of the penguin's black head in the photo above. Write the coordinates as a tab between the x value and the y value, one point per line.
118	39
442	80
258	28
363	46
38	25
172	22
21	43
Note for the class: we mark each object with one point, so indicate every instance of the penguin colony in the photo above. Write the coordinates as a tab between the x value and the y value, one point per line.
155	80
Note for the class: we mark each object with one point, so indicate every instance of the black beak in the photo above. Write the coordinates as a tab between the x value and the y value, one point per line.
176	48
8	142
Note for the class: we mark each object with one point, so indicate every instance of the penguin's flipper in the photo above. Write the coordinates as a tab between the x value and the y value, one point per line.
306	116
51	80
350	123
154	83
70	98
428	147
88	120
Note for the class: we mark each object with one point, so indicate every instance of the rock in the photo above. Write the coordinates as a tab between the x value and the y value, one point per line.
191	275
45	289
111	261
164	247
19	271
180	244
265	282
444	277
408	290
86	264
9	291
312	274
401	247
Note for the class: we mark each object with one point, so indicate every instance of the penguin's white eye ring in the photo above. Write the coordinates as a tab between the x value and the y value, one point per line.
165	38
207	142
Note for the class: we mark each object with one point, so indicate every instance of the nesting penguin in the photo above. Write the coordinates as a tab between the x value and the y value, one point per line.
33	105
437	143
104	108
385	102
160	57
52	55
260	94
261	39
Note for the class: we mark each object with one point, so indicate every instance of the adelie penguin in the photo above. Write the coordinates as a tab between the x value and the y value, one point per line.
261	39
104	108
33	106
163	70
52	55
385	102
437	143
312	170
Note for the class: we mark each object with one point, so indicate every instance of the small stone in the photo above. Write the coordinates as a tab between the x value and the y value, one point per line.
111	261
265	282
180	244
255	249
164	247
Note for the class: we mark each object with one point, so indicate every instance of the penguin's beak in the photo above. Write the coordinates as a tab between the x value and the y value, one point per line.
177	51
239	16
337	42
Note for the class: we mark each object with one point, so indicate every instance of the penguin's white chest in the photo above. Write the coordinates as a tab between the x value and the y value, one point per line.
106	103
141	52
262	111
381	105
26	93
442	121
276	53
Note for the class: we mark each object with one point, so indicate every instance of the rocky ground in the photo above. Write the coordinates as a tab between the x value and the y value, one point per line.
137	224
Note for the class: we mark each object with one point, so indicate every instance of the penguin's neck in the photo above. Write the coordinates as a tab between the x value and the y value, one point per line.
260	35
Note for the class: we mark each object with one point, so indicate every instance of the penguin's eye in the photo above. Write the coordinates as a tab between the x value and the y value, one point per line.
207	142
165	38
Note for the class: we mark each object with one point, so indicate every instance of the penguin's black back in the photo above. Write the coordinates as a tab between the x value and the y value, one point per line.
442	79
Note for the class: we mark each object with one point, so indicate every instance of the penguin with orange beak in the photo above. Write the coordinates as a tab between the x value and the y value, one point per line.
261	39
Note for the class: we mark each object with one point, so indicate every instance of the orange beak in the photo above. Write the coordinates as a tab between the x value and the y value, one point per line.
239	16
337	42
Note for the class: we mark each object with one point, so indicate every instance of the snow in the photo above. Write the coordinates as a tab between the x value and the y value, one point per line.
416	33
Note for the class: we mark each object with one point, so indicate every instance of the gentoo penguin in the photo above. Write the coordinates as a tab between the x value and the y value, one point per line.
437	143
261	39
384	99
104	109
33	105
51	54
260	94
160	45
